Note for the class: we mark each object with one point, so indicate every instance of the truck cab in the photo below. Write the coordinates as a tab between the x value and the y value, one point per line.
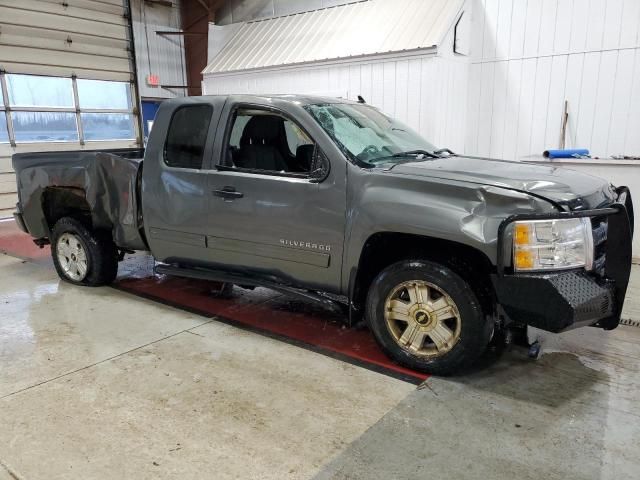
242	182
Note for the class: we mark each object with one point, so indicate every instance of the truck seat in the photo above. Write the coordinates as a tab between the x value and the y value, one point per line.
259	144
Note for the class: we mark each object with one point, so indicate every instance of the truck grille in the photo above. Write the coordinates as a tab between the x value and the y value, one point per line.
600	227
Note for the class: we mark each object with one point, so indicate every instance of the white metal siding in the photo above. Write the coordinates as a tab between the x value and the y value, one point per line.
87	38
342	32
529	56
157	54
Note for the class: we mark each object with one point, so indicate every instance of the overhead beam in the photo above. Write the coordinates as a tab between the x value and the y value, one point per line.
204	5
186	34
162	3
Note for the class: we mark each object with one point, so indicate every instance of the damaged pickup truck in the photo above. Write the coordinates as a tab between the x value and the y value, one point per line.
335	202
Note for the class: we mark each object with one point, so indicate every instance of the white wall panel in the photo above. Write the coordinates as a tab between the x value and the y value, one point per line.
555	105
548	20
540	104
532	28
485	109
530	56
595	23
499	110
525	111
562	34
630	24
512	107
632	137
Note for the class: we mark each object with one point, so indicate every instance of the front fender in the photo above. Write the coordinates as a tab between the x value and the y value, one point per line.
465	213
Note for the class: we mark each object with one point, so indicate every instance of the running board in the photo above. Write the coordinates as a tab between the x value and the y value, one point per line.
239	279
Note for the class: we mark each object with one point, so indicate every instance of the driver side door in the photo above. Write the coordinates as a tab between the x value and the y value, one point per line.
268	212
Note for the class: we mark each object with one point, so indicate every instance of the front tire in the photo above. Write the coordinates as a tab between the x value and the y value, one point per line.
82	256
426	317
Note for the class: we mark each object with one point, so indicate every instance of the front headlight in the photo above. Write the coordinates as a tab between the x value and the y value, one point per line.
552	244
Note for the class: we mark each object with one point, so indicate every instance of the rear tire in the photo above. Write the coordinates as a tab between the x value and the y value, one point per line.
426	317
82	256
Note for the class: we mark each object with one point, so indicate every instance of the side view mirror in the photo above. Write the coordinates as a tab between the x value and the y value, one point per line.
319	166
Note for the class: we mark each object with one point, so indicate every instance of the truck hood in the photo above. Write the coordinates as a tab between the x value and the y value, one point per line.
569	188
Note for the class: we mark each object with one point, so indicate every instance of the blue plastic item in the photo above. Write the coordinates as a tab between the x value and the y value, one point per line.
570	153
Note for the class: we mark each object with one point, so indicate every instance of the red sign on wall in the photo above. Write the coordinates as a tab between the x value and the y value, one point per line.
153	80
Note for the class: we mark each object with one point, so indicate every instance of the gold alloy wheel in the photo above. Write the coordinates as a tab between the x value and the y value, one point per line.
422	318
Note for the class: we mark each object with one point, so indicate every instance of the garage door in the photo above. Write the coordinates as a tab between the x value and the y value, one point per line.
66	78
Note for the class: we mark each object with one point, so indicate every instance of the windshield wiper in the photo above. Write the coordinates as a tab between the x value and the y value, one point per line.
417	153
445	150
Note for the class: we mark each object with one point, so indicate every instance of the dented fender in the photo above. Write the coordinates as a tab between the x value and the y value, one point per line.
106	180
457	211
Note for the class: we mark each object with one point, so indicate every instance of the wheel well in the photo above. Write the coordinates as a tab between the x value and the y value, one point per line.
58	202
382	249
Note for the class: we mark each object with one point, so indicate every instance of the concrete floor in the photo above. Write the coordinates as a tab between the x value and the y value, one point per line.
95	383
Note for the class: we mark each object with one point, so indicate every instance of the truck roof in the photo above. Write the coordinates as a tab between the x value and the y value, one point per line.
298	98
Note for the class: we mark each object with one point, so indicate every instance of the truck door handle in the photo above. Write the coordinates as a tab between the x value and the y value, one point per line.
228	193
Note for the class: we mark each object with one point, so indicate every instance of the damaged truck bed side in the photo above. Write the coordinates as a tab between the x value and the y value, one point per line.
335	202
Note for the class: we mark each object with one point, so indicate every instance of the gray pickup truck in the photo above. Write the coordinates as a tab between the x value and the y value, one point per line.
335	202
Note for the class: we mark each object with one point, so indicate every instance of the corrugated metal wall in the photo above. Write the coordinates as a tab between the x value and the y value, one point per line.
161	55
87	38
529	56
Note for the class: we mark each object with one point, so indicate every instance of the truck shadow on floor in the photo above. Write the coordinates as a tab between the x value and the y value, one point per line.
553	380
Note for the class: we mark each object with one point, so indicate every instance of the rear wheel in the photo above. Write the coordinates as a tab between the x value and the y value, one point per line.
82	256
426	317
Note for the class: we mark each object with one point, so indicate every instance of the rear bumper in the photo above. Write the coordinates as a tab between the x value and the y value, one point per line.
563	300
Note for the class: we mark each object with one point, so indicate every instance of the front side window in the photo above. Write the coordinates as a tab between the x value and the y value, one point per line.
187	136
367	135
264	140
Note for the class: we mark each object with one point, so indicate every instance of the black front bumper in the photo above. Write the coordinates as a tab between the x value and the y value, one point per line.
564	300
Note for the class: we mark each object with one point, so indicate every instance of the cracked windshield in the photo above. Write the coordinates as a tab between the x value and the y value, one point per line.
368	136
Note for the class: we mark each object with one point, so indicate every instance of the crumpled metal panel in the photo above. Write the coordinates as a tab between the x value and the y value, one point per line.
353	30
106	179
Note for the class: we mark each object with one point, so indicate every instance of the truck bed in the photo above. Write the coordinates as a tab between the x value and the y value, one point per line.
107	179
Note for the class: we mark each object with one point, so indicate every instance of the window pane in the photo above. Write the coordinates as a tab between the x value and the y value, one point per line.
295	136
262	140
107	126
34	91
102	94
44	127
187	136
4	136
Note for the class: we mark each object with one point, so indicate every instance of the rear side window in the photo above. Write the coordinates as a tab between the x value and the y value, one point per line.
187	136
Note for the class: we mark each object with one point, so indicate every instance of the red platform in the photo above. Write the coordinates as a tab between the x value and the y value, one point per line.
263	311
